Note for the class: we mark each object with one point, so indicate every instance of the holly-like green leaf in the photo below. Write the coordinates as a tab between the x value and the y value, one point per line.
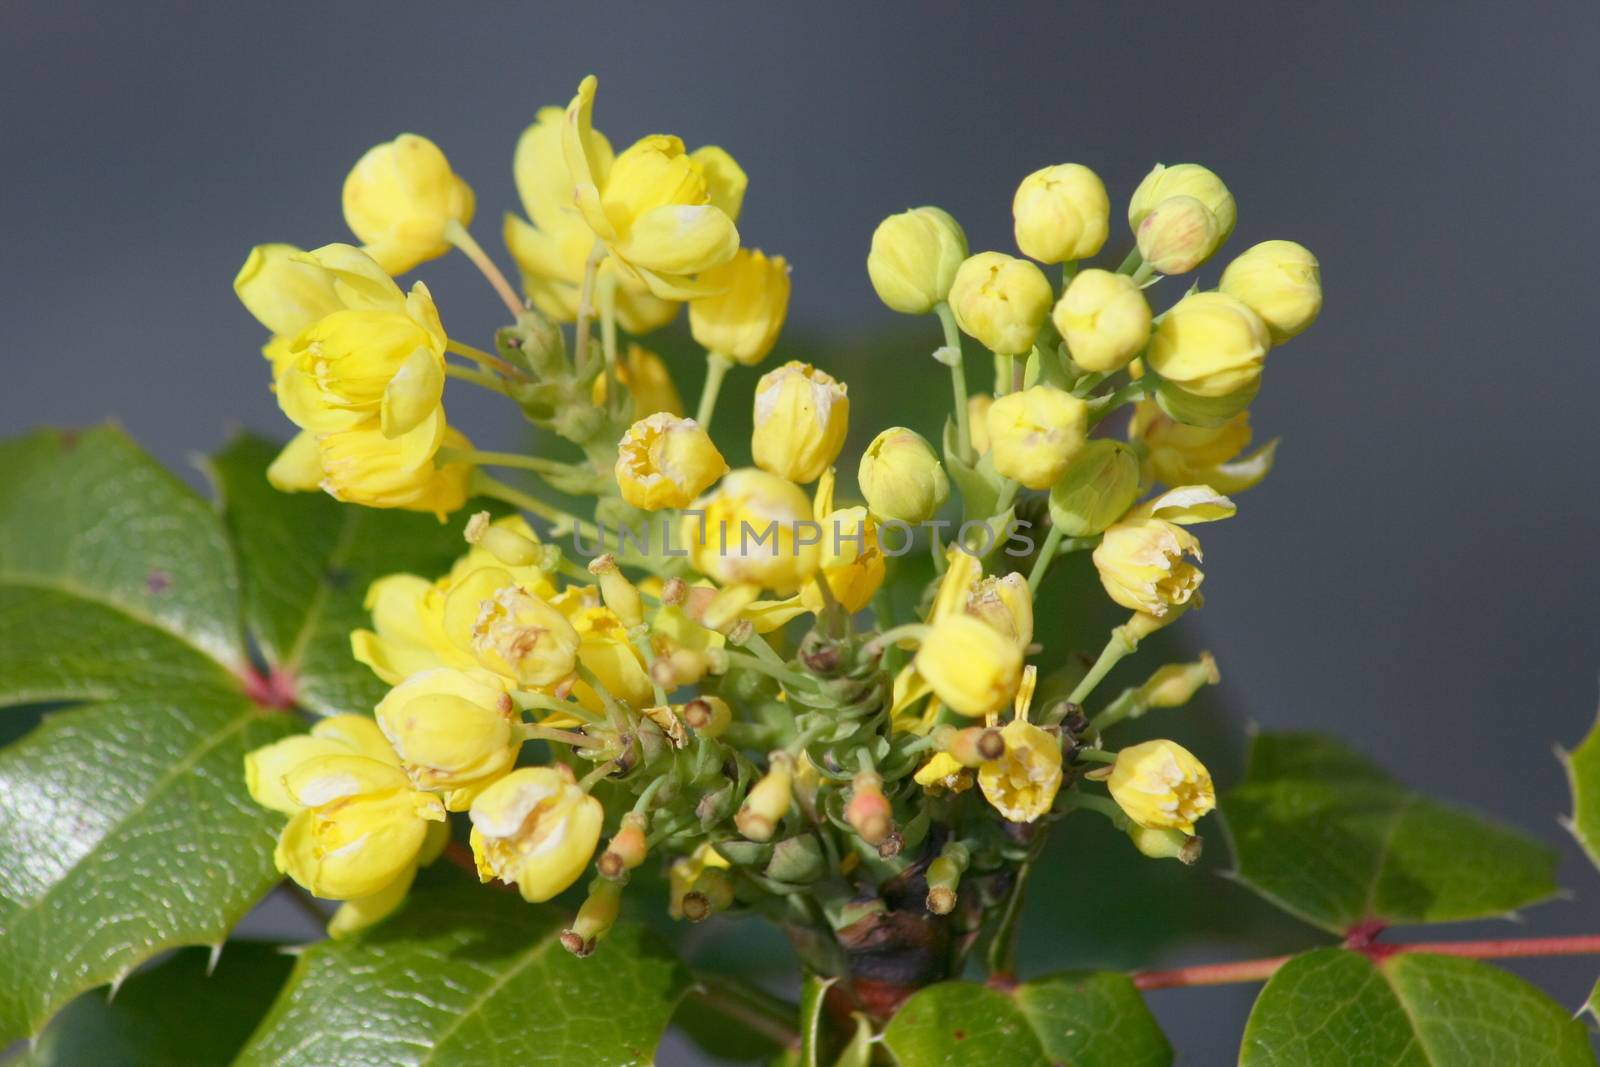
1330	838
1074	1020
172	1015
466	975
1331	1007
306	562
125	828
1583	775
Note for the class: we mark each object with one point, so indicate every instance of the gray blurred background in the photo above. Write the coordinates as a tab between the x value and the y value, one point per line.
1418	574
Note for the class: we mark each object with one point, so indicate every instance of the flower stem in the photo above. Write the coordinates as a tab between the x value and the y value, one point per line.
478	378
457	235
1116	648
580	329
747	1006
958	379
483	359
503	459
489	486
1262	969
1047	555
716	369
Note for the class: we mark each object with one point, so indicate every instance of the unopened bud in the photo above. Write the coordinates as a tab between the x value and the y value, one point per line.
712	892
1166	844
626	850
619	594
944	875
901	477
595	917
502	541
708	715
1179	235
1099	486
868	811
768	800
914	258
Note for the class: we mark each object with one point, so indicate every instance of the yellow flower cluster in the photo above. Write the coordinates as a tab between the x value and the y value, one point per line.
760	757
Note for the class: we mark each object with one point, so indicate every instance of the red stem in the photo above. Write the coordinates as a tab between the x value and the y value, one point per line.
1262	969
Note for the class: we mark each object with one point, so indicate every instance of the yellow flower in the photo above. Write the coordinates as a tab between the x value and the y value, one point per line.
603	648
400	199
972	667
552	251
298	467
755	529
853	563
1184	179
801	417
1141	559
454	731
1002	301
362	825
285	293
1099	486
664	461
1034	433
648	381
901	477
535	829
1062	213
363	466
1281	281
1178	235
1210	345
942	773
1006	604
1022	784
1161	786
663	213
1178	454
512	631
749	297
1104	318
914	258
336	735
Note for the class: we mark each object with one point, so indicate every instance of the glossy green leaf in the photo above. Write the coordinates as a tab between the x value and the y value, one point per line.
1082	1020
125	828
1331	1008
468	975
1330	838
1583	776
172	1015
307	561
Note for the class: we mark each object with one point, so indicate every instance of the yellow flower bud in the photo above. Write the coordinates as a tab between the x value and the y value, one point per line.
664	214
1184	179
362	826
399	199
595	917
1002	301
664	461
1062	213
337	735
972	667
1165	844
1173	685
1161	786
1178	235
1210	345
801	417
648	381
755	529
1006	604
1034	433
768	800
1281	281
914	258
454	731
943	773
605	650
364	466
1099	486
741	318
852	561
1022	784
535	829
978	405
1179	454
627	849
621	596
506	544
1104	318
512	632
901	477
